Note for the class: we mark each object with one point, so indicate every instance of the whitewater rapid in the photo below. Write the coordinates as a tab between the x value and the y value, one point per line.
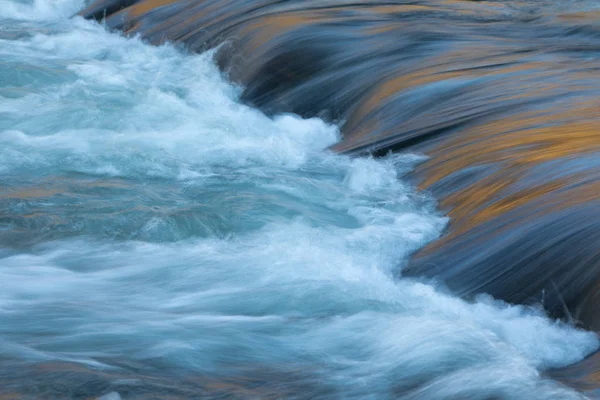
148	217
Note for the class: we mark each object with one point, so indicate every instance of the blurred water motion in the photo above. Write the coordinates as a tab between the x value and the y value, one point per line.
165	234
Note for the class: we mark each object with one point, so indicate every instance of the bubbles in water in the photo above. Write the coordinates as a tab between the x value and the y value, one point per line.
38	10
148	217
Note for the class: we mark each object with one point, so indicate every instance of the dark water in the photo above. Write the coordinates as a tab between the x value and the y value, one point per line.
167	234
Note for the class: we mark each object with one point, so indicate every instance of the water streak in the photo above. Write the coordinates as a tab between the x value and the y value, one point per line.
159	238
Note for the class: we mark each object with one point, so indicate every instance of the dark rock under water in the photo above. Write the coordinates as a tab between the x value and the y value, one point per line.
504	99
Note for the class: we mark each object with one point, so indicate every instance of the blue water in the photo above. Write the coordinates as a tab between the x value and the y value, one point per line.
149	218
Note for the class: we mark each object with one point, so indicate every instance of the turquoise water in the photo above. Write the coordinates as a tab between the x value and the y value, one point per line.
148	218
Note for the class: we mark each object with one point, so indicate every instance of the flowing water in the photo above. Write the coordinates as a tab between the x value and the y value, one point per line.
159	239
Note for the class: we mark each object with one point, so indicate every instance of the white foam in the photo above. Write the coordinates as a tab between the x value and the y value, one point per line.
39	10
110	396
129	105
312	286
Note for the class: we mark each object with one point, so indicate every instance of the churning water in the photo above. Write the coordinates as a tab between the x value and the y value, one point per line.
151	227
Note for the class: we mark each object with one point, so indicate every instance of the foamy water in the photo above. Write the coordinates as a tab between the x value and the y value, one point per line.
147	217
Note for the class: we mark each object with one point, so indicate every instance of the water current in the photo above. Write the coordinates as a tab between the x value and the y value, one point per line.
159	238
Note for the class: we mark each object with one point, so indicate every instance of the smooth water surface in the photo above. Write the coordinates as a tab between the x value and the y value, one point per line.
160	235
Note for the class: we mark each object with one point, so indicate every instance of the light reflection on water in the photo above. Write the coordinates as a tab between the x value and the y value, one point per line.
159	237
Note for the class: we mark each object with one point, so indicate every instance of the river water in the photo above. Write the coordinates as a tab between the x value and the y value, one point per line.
159	238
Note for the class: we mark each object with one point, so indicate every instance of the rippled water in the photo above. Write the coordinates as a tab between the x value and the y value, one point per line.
167	240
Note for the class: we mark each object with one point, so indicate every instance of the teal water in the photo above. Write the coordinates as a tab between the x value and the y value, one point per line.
148	218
